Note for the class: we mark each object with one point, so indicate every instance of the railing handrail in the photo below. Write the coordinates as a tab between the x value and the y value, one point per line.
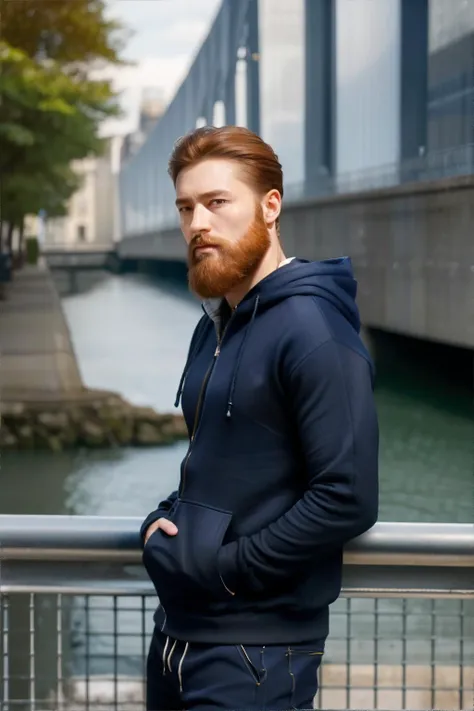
91	538
82	247
432	165
102	555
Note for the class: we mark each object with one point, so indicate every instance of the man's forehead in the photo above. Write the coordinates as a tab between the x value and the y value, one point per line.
207	175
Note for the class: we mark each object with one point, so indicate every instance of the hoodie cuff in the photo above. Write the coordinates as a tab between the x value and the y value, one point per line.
227	566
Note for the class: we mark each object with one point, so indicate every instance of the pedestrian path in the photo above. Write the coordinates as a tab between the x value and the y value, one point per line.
37	359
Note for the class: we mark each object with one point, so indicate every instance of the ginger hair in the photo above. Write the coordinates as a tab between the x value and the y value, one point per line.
258	161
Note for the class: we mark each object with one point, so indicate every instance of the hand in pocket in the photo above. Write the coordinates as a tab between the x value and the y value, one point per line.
162	524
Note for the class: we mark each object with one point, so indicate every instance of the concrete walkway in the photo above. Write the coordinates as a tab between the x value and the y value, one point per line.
37	360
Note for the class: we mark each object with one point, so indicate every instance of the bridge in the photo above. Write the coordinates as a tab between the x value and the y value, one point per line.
79	255
378	157
71	258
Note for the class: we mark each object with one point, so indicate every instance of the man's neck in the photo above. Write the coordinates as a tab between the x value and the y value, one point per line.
270	263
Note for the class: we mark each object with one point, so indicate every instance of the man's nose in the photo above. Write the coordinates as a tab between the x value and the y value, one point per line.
200	220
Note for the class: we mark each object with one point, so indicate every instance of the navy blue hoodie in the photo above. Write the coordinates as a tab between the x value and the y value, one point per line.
282	465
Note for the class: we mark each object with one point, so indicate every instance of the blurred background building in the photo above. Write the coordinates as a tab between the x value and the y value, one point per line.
152	106
351	94
451	73
93	211
90	217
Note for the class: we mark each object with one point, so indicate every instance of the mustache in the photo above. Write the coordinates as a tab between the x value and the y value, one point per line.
200	241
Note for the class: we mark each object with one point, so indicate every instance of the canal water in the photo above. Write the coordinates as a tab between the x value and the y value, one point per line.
131	333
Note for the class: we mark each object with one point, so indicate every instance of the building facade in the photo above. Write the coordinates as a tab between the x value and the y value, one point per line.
351	94
91	216
451	74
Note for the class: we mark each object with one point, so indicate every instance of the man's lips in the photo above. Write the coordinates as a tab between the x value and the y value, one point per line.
205	247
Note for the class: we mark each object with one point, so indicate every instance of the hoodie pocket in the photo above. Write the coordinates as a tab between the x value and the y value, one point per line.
185	565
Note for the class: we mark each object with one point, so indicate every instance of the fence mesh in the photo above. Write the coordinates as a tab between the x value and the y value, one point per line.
86	653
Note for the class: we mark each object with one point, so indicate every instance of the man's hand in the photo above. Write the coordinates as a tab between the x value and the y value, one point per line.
166	526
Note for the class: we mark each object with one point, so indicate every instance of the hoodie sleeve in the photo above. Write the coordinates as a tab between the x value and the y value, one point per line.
161	511
330	395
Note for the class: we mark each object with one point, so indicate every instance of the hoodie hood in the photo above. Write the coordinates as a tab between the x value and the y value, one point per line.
330	279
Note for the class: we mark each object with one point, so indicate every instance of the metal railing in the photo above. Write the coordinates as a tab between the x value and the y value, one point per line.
451	162
76	612
76	246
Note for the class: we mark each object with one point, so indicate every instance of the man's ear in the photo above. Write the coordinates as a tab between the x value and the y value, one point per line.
271	207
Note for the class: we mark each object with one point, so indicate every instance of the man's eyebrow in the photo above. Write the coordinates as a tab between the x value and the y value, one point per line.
206	196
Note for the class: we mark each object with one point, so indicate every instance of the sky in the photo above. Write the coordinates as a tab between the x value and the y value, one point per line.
166	36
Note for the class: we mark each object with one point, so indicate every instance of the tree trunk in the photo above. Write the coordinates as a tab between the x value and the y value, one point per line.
11	227
3	228
20	256
21	235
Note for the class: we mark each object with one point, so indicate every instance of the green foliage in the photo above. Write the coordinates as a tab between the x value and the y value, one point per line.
35	191
50	107
66	31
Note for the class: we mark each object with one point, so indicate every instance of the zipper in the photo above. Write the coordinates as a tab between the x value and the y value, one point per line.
201	400
195	424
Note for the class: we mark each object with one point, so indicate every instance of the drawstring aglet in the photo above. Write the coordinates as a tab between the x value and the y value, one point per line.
229	409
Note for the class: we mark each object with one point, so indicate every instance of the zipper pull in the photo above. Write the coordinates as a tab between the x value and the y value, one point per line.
217	351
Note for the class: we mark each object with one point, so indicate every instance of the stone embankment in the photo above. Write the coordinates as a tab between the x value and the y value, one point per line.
88	419
43	401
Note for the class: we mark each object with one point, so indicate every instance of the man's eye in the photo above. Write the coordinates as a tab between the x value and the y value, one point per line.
218	201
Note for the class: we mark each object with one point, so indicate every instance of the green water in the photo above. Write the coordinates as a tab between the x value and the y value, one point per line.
131	335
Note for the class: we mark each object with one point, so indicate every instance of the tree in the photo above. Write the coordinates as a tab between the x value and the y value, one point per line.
70	32
48	119
50	108
24	194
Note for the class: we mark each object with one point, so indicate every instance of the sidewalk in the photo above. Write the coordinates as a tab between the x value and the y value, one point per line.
43	402
37	360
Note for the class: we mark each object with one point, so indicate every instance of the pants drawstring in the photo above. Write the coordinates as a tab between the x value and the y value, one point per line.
180	667
167	661
164	655
171	654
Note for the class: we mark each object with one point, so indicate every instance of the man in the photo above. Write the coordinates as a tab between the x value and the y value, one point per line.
282	465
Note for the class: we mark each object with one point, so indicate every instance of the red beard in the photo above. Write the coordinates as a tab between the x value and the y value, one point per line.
214	274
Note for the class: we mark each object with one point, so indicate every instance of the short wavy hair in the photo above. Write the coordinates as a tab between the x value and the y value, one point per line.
258	160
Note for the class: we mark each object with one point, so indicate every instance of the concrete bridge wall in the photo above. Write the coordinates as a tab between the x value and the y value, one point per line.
412	248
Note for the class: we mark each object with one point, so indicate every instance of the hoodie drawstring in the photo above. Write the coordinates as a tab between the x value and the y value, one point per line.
194	349
239	357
